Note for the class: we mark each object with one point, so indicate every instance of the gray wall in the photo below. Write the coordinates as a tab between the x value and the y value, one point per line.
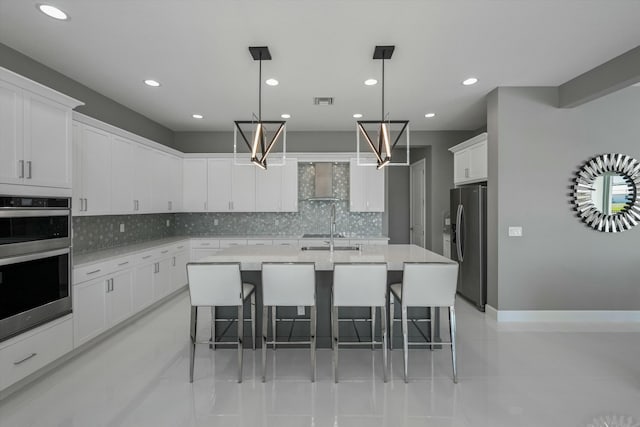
534	150
96	105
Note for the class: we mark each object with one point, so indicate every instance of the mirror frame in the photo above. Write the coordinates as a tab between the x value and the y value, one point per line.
587	211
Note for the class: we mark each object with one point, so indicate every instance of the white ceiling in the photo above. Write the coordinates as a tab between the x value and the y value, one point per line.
198	50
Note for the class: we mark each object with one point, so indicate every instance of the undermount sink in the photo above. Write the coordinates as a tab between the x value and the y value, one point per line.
327	248
322	236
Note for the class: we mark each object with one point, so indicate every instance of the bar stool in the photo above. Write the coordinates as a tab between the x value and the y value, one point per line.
359	285
426	285
288	284
219	283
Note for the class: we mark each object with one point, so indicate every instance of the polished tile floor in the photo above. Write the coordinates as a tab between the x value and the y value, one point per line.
509	375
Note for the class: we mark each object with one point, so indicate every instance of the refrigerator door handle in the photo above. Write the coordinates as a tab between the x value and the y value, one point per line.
459	226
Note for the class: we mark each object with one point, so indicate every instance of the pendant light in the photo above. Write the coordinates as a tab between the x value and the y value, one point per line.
259	144
382	150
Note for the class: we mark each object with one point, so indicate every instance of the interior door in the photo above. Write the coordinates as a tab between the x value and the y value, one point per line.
417	208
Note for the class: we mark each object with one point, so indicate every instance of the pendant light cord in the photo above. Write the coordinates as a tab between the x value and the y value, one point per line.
260	90
382	118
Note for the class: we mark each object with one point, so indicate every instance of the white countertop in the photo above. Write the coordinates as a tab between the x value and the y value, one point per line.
252	257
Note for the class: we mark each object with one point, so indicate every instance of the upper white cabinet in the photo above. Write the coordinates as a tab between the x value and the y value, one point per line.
366	188
142	179
35	137
122	175
470	160
92	171
277	188
243	188
194	185
219	185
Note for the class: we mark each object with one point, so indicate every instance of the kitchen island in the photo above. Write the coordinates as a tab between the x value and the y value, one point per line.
252	257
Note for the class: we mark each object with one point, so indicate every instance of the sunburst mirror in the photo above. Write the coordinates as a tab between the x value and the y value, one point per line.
605	192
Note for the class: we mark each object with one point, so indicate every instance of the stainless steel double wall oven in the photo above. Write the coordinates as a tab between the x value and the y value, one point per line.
35	262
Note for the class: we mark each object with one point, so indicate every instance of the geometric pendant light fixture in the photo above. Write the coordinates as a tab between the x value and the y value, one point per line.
265	133
389	132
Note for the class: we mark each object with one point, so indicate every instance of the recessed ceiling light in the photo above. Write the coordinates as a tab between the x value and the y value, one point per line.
53	12
285	116
272	82
197	116
429	115
152	83
470	81
370	82
357	116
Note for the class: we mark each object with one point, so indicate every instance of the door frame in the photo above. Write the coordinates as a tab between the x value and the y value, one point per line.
423	163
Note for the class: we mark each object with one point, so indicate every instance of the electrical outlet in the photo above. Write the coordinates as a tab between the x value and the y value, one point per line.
515	231
277	222
122	228
301	310
168	222
215	221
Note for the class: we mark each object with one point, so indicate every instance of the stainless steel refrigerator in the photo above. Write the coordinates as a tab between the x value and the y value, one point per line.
469	241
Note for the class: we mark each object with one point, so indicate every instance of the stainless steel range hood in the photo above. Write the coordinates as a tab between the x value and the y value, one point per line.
323	182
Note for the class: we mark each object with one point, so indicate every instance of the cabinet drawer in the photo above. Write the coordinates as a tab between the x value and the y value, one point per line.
227	243
205	243
258	242
88	272
145	257
37	350
119	264
180	246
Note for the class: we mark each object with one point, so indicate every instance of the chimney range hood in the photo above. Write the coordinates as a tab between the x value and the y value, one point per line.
323	182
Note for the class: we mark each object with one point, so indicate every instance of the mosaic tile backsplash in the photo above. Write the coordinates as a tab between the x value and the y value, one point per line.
102	232
91	233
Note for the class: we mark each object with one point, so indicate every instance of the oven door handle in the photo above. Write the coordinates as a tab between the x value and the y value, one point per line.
23	213
33	257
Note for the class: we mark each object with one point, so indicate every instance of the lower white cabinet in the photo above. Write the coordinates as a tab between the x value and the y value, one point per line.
143	290
162	278
26	353
179	270
100	304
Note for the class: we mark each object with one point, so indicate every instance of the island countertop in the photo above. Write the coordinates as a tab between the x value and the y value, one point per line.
252	257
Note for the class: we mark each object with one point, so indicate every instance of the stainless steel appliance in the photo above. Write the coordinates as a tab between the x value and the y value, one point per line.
35	262
469	241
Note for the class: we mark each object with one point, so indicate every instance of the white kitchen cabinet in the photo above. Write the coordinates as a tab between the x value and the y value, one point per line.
101	303
470	160
194	185
122	175
35	137
276	188
179	269
219	185
142	184
162	276
161	185
175	184
243	188
289	186
25	354
366	188
92	171
143	289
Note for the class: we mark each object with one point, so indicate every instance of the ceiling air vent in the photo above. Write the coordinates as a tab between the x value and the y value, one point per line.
327	100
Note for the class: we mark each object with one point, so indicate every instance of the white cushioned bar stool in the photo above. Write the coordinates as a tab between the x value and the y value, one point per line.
288	284
214	284
426	285
359	285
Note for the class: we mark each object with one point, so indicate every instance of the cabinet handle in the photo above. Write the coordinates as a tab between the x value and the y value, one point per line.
205	244
146	257
164	252
21	167
94	271
18	362
205	206
86	204
181	246
29	169
123	263
112	285
174	261
108	285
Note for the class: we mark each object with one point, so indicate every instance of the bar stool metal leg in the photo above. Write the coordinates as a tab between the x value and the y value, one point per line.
452	330
433	312
213	328
392	313
335	344
253	319
192	347
273	325
312	334
405	342
383	331
373	327
265	329
240	337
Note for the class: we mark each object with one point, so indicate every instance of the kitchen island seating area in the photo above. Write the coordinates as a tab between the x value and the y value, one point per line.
321	326
214	284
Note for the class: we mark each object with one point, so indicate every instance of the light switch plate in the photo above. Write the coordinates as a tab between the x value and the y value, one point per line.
515	231
122	228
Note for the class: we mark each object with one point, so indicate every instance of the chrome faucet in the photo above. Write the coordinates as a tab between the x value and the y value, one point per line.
332	225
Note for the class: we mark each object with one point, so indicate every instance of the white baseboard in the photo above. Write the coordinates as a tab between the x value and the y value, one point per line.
580	316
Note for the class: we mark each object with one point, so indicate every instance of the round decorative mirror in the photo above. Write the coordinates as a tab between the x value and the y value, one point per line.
605	192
